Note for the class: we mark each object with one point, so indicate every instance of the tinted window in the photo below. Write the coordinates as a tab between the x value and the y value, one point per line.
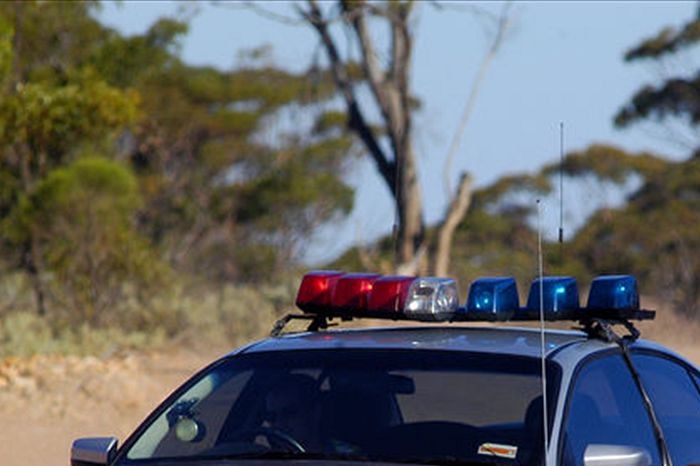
605	407
419	405
676	404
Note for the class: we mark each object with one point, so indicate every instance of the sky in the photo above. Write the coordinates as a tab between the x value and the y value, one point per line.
560	62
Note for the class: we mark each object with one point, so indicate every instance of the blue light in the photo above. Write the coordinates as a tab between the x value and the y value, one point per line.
614	292
493	298
560	297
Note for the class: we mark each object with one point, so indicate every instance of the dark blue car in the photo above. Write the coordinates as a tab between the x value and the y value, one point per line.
449	392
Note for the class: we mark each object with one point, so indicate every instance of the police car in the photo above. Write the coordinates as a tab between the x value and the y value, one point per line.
446	392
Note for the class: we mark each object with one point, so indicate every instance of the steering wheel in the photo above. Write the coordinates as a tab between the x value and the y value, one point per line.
277	436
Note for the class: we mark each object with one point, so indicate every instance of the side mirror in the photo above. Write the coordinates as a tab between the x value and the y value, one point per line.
615	455
93	451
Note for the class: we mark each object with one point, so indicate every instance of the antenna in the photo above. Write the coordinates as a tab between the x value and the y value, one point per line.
397	214
540	272
561	182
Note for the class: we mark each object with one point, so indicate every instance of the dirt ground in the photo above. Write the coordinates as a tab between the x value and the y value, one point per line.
47	401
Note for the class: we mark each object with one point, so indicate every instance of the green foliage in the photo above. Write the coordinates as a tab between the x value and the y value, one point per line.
214	185
50	37
211	197
668	41
331	120
506	185
209	174
653	235
6	52
677	96
53	120
608	163
126	61
81	218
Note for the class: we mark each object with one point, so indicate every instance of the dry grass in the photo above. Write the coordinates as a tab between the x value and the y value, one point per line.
673	330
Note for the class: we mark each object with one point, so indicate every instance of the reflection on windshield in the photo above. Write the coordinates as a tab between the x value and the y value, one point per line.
393	405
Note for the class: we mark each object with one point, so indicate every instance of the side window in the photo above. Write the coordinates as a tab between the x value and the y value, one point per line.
605	407
676	403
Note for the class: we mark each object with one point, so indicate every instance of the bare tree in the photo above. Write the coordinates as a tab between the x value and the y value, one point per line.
389	84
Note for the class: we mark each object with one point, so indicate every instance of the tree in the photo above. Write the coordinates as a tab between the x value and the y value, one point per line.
220	199
66	215
81	219
226	197
654	232
390	143
677	96
50	112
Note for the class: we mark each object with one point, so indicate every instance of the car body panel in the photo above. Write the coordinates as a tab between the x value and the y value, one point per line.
502	340
568	349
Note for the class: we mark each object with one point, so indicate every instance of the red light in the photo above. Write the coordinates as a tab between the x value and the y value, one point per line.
389	293
352	290
315	290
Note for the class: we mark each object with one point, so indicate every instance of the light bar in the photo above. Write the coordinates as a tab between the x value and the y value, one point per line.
560	298
314	292
432	299
493	298
351	291
610	292
347	295
389	293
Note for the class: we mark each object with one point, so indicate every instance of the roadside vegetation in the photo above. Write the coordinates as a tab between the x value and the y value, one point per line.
147	202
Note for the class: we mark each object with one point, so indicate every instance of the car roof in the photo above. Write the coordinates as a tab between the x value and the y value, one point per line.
497	340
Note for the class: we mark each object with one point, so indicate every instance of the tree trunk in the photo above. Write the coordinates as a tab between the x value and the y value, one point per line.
30	257
445	231
390	90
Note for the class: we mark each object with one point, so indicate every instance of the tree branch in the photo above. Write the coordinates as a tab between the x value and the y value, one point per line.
263	12
453	217
357	121
376	77
503	24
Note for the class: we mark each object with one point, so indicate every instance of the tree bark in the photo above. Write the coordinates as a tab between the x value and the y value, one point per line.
445	231
390	90
30	262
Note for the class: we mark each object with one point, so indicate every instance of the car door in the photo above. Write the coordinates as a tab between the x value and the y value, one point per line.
672	387
605	407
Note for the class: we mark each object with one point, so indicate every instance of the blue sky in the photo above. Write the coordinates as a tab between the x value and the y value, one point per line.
561	62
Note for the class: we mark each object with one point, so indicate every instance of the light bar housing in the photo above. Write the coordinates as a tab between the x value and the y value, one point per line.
613	292
493	298
351	291
389	293
314	292
432	299
559	298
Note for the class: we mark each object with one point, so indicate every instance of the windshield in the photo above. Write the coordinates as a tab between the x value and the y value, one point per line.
390	405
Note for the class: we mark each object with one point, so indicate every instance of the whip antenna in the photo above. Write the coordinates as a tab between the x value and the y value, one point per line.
397	215
561	182
540	272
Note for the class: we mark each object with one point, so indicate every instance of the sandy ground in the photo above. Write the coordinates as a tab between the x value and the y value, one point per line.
47	401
